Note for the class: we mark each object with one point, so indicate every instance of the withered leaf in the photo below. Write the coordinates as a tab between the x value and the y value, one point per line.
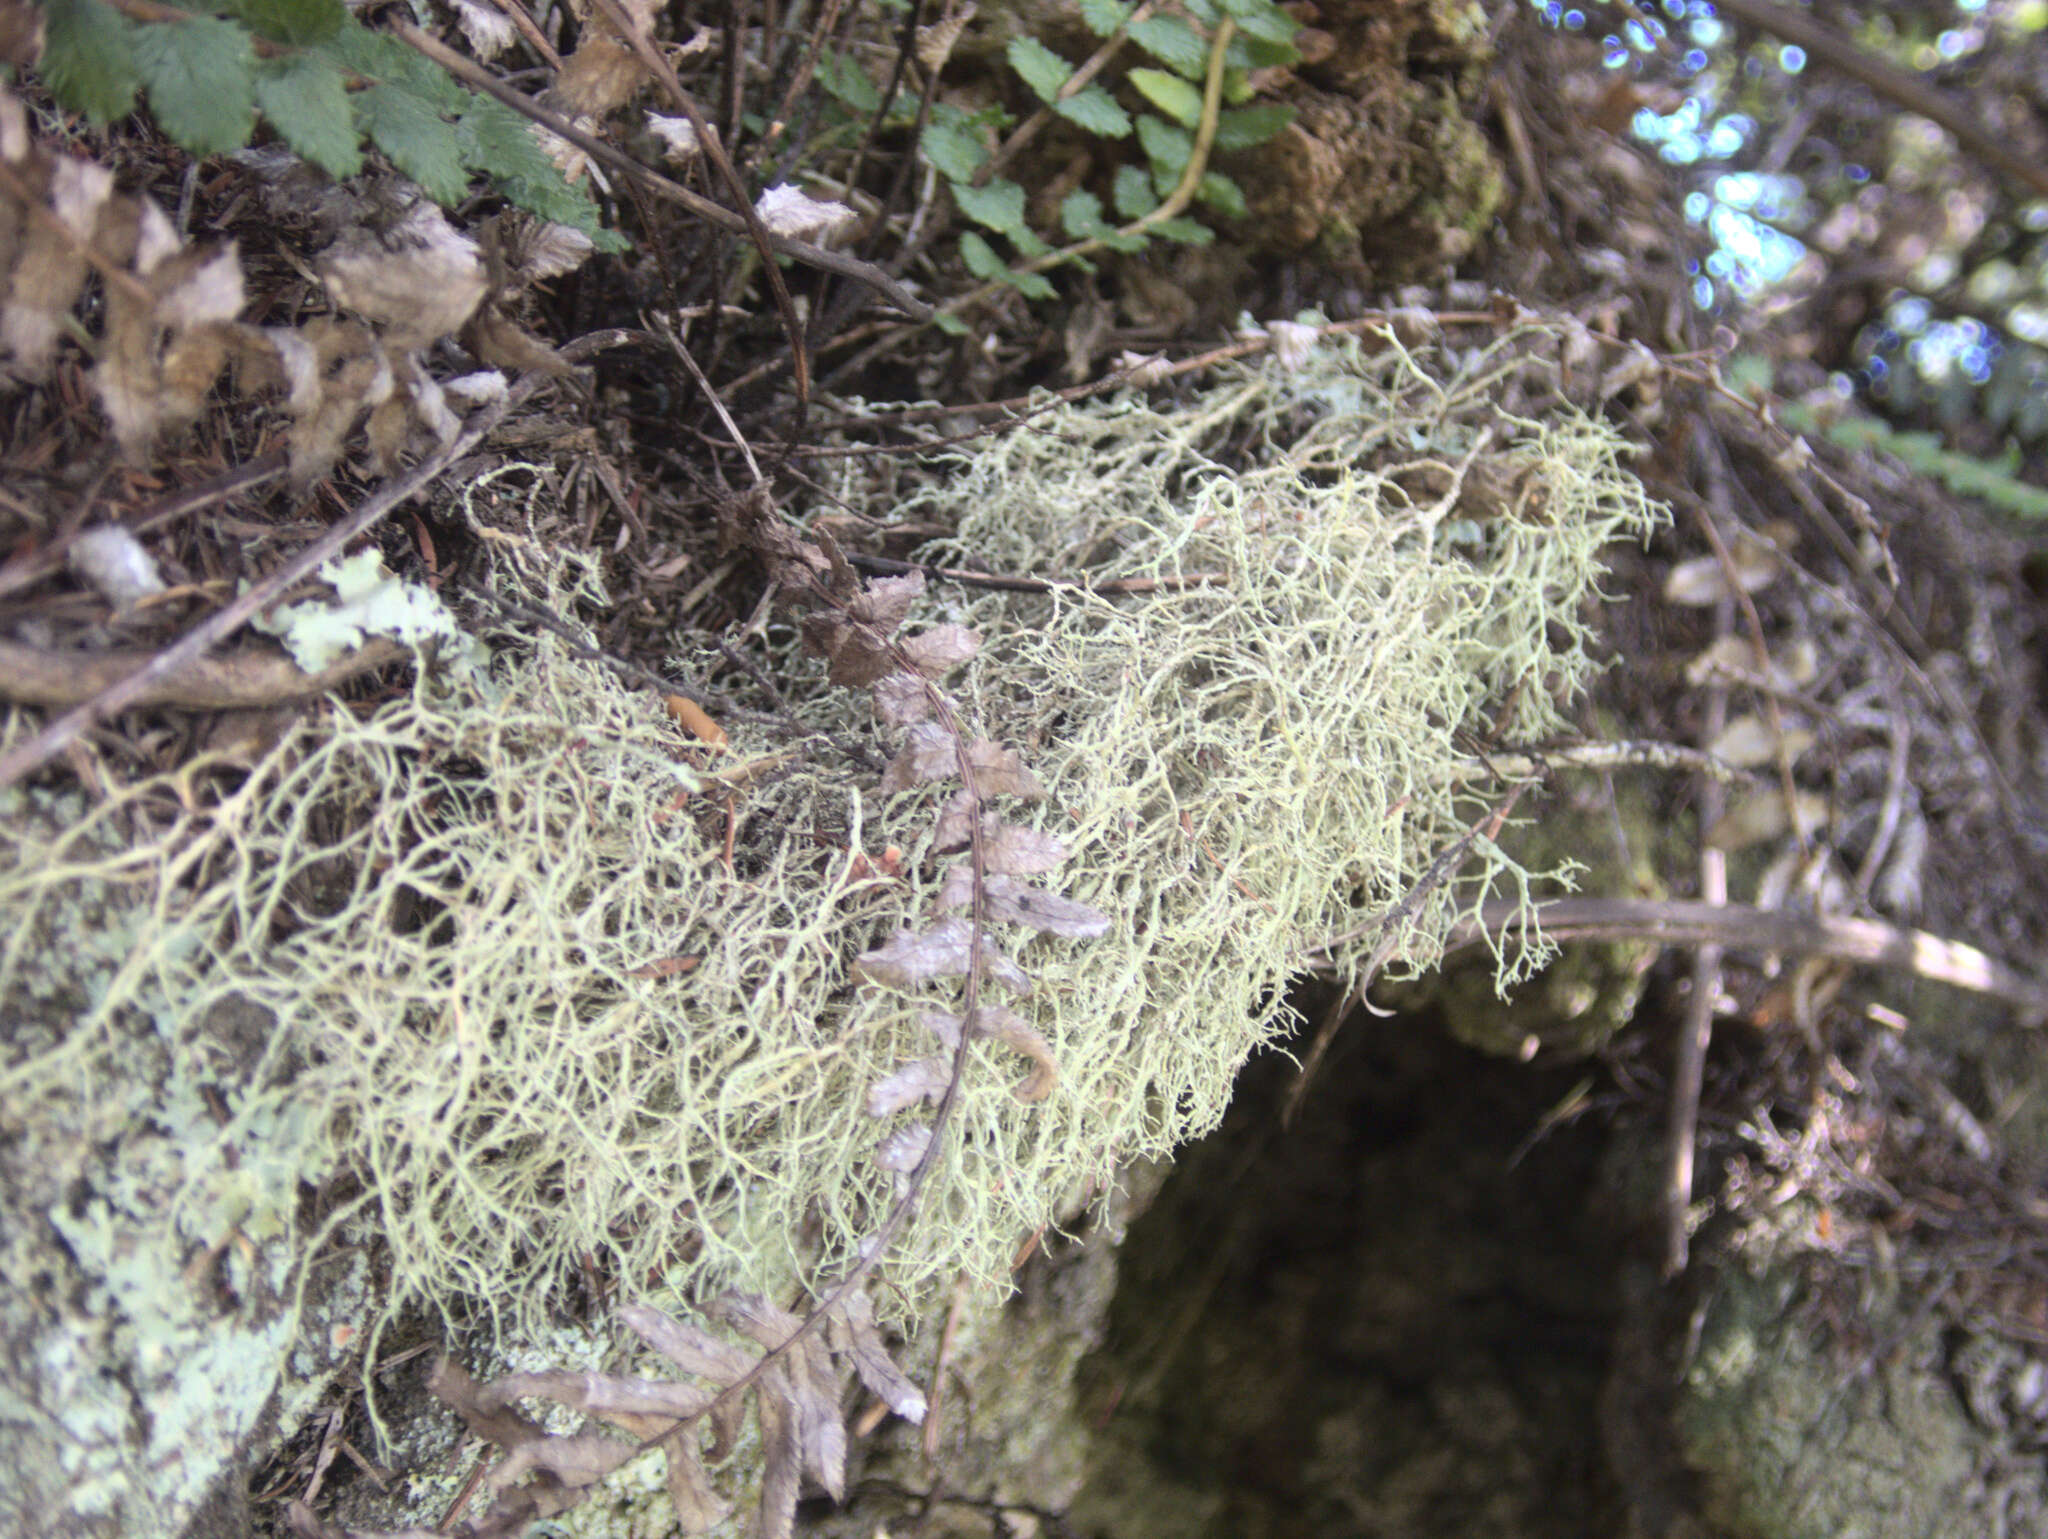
487	1415
699	1509
617	1399
930	752
697	1352
691	1348
1000	1024
851	1332
417	282
902	1149
854	638
902	698
911	957
939	650
781	1458
1005	847
807	1377
788	210
1000	771
1018	902
922	1079
573	1462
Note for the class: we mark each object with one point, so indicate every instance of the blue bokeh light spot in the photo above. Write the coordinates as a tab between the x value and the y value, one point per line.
1792	58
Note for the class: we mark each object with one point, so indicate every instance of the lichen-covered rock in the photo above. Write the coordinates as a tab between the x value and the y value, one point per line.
151	1336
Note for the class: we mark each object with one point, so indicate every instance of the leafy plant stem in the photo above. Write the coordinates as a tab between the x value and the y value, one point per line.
1182	195
1030	128
876	1245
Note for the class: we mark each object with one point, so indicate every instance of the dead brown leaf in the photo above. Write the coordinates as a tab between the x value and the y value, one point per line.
911	957
1016	902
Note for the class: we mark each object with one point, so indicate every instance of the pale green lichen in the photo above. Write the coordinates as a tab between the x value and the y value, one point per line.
510	982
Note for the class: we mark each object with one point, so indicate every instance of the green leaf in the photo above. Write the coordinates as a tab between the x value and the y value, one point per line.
951	325
416	138
1030	285
1263	20
1028	245
298	22
303	99
1096	111
1247	52
846	82
1081	214
954	148
982	261
1242	127
201	79
1103	17
980	257
1133	194
1168	148
999	205
1221	194
1173	43
500	143
1043	70
89	58
385	60
1170	94
1185	230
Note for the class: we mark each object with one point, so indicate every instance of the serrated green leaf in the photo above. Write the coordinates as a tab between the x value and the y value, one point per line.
1173	43
1170	94
846	82
999	205
386	61
1185	230
951	325
1132	193
1096	111
1262	19
1247	52
500	143
1043	70
89	58
302	97
980	257
1221	194
1242	127
299	22
1103	17
955	149
416	137
1168	148
200	76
